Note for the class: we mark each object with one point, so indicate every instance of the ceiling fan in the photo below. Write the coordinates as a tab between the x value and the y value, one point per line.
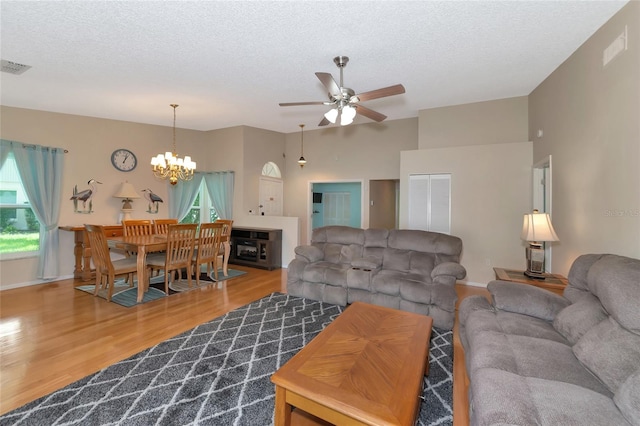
344	100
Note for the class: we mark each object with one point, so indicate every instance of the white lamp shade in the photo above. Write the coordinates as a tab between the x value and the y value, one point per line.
348	114
538	227
126	191
331	115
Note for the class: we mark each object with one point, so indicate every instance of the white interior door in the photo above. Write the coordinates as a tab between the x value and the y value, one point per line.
271	196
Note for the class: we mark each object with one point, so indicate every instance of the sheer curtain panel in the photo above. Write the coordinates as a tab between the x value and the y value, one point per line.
182	196
40	169
220	189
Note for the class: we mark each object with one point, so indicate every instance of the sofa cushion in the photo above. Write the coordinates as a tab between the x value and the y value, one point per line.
628	398
532	357
526	299
367	262
503	398
334	274
509	323
422	263
397	260
610	352
576	319
309	253
339	253
616	282
447	246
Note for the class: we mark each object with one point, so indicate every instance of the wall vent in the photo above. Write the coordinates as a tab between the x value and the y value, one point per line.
13	67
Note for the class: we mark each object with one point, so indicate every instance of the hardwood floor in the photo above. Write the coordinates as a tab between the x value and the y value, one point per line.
52	335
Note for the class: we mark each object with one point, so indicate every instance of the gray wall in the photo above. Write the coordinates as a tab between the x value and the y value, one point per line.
590	118
480	123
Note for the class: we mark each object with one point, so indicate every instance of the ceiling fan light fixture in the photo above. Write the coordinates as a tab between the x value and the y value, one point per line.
348	114
332	115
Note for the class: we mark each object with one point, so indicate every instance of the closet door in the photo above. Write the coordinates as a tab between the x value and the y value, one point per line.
430	202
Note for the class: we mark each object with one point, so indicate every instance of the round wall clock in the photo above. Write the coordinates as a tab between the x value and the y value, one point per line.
124	160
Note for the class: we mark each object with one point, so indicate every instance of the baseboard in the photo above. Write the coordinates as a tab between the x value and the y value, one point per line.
35	282
472	284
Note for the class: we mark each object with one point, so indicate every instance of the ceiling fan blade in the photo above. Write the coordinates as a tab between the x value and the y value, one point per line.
381	93
327	80
324	122
374	115
300	103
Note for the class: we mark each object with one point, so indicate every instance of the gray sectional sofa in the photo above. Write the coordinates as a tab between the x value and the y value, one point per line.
536	358
403	269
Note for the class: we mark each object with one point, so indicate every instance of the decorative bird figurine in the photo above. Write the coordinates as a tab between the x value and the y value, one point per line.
86	195
153	200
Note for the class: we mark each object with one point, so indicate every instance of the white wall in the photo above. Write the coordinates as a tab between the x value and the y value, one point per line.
490	192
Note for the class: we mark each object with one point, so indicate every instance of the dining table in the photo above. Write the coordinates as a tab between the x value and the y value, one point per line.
140	244
143	244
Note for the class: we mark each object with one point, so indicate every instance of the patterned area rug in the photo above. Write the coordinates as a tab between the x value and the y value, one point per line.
127	296
217	374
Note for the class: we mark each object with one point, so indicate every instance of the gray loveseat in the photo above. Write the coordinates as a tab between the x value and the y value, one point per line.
402	269
536	358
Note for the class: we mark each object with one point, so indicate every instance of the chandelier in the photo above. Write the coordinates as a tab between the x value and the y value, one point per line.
169	165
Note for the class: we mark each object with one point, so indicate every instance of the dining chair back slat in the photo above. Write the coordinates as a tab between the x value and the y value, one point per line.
208	249
180	244
161	226
135	227
107	269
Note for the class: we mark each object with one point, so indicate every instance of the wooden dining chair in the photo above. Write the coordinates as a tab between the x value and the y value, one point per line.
137	227
107	269
208	249
225	244
161	226
180	244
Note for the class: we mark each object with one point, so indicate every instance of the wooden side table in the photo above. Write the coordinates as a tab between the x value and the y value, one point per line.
552	282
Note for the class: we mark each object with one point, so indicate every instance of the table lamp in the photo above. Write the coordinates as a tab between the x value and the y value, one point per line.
536	229
126	192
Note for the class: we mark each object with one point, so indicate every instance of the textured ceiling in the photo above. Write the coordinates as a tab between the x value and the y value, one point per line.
231	63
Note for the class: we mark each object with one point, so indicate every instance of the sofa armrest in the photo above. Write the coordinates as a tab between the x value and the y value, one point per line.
370	263
309	254
526	299
449	268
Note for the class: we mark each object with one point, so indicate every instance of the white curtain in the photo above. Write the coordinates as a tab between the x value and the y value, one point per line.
40	170
220	189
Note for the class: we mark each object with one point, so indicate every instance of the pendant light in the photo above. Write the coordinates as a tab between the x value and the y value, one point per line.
302	161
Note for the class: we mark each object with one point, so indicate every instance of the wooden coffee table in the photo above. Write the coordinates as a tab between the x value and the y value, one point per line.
365	368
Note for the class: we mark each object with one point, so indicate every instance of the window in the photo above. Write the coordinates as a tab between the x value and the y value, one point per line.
271	169
19	228
202	210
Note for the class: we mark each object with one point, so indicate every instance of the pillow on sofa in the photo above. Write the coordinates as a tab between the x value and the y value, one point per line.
628	398
610	352
576	319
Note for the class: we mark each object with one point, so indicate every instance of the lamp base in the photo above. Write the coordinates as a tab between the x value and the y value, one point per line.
535	275
535	261
125	214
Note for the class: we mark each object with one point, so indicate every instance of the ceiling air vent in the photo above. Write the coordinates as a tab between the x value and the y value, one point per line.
13	67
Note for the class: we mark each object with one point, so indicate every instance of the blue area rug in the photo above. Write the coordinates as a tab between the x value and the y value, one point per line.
127	296
218	373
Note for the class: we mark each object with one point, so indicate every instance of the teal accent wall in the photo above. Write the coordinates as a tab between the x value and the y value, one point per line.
355	188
